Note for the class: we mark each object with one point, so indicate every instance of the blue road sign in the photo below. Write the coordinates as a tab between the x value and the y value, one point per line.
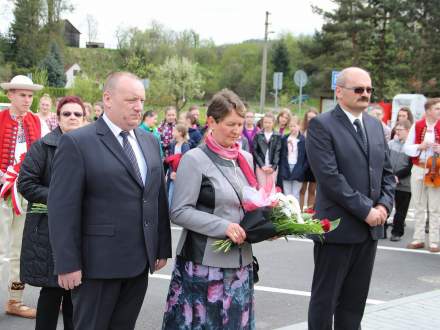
334	77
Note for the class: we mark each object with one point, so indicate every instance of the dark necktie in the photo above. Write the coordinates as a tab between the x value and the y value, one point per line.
130	153
360	133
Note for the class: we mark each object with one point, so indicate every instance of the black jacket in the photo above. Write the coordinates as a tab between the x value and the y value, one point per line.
36	261
261	146
301	165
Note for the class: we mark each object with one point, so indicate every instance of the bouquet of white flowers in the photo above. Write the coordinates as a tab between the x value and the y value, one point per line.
275	215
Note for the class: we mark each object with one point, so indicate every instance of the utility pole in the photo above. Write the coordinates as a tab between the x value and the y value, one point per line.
264	65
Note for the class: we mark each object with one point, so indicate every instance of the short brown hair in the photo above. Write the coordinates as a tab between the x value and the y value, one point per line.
430	102
406	124
223	103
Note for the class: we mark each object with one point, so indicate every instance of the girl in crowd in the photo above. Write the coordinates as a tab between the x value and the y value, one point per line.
293	160
166	128
250	130
403	114
98	108
402	166
211	290
149	121
193	131
88	107
283	120
36	261
267	148
309	184
45	113
179	145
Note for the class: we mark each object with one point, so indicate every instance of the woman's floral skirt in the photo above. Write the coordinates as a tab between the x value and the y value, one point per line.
208	298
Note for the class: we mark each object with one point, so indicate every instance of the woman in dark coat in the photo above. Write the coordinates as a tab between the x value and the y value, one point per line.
36	261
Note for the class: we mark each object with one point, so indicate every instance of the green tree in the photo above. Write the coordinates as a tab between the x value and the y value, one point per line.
54	65
178	78
89	90
24	32
280	58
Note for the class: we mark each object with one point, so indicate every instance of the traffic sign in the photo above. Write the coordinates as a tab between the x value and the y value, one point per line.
300	78
335	75
277	81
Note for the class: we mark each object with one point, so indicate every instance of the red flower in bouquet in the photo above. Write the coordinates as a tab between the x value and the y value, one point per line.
310	211
268	216
326	225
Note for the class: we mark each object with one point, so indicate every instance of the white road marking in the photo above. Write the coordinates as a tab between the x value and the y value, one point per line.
274	290
380	247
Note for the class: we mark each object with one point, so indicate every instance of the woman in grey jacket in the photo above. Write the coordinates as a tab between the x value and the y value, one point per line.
208	289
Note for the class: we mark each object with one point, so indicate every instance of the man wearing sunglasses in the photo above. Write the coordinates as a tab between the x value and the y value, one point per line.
348	153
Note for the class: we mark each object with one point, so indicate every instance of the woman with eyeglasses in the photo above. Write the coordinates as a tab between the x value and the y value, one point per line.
36	262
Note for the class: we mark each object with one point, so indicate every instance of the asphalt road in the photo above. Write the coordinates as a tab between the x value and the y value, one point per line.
286	270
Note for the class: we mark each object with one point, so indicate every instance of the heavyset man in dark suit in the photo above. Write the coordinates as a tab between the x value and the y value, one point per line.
348	154
108	213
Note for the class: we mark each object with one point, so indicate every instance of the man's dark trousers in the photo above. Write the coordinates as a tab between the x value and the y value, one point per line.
342	271
112	304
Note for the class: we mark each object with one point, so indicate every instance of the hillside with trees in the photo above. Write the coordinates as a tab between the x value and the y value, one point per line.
397	41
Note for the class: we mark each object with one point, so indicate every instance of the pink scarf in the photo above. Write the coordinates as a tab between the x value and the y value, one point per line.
232	153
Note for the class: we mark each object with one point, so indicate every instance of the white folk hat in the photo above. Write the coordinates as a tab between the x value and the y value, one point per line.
21	82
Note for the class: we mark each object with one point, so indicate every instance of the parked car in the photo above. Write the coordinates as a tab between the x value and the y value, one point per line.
295	99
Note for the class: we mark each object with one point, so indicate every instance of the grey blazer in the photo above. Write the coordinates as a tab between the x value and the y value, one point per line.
204	203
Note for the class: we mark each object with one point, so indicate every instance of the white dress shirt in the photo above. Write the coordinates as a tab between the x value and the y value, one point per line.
352	118
133	142
411	148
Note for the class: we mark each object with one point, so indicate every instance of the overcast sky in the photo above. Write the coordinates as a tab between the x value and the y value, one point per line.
224	21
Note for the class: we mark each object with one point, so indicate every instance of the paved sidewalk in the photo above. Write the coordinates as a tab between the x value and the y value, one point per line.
418	312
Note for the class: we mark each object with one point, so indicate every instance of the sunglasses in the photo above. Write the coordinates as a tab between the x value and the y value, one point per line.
360	90
68	114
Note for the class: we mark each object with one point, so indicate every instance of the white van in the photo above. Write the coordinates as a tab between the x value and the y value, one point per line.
416	102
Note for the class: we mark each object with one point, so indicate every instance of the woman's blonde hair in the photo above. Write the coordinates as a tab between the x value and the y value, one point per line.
46	97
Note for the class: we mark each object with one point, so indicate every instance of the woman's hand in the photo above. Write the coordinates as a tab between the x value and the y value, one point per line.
173	176
235	233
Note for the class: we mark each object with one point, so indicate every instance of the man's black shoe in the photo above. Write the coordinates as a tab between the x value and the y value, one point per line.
395	238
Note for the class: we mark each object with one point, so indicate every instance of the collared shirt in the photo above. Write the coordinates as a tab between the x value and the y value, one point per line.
292	148
21	145
411	148
352	118
133	142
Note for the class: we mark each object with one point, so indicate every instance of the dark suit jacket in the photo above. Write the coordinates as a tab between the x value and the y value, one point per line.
350	180
102	219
